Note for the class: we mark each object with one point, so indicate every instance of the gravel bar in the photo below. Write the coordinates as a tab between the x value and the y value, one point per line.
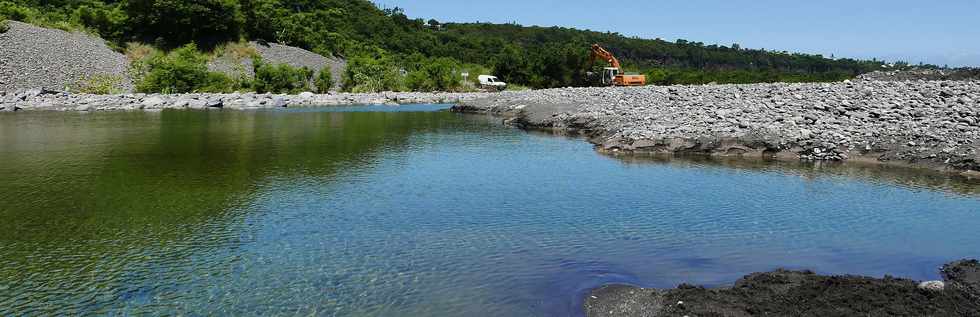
934	124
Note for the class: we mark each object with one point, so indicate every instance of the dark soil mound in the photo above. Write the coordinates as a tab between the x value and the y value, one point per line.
793	293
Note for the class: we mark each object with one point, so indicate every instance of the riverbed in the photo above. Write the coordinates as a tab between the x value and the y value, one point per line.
417	211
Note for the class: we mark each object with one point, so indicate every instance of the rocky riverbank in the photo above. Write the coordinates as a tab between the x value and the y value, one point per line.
927	123
793	293
44	100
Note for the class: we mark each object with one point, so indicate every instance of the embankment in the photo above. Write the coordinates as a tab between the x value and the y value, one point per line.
935	124
45	100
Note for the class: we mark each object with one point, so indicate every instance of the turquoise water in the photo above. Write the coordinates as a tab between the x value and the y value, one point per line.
411	211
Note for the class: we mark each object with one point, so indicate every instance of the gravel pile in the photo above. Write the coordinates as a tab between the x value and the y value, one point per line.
45	100
278	54
932	123
32	57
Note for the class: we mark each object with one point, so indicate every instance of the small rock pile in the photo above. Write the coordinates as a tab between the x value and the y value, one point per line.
933	122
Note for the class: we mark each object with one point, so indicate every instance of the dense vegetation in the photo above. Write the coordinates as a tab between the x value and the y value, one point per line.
185	70
388	50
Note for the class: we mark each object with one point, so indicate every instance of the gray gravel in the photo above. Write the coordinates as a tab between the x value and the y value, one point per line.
32	57
278	54
923	74
930	123
45	100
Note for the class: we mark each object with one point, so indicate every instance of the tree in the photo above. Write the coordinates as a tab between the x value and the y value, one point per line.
511	65
173	22
436	74
324	80
279	78
371	73
181	71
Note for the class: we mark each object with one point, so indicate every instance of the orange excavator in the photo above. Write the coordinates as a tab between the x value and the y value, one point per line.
613	75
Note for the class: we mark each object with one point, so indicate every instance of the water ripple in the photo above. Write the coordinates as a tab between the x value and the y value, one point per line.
420	214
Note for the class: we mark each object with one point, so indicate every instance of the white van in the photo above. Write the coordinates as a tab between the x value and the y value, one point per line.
491	83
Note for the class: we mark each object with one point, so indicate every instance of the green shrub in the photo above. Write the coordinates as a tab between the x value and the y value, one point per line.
48	17
324	80
221	83
280	78
372	74
109	21
139	56
417	81
4	26
12	11
475	70
436	74
181	71
99	85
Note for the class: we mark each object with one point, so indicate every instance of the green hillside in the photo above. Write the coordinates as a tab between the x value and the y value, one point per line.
382	43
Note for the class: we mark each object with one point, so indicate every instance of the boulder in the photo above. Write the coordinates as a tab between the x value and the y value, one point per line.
932	285
152	102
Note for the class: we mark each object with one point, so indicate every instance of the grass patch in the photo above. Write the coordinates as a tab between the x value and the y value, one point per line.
138	51
4	26
100	85
139	55
236	50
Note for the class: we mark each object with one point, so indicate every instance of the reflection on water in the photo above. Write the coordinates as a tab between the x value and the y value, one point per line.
379	211
910	177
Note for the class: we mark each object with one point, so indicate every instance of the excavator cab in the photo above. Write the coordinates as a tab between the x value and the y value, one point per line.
609	76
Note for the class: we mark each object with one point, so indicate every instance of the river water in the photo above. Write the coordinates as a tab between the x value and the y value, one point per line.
412	211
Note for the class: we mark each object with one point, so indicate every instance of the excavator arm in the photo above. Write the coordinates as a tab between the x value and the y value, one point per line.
599	52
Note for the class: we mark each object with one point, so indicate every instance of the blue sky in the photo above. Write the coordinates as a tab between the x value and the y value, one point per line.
939	32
